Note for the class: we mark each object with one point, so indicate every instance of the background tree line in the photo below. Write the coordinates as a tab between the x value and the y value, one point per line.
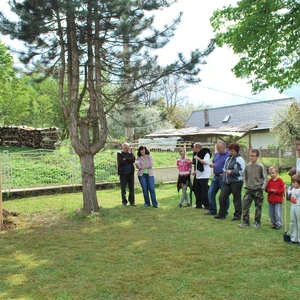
27	100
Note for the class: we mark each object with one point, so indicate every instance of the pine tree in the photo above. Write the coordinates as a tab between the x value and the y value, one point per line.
93	44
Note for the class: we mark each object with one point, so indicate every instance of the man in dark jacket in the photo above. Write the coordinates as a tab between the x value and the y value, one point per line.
126	160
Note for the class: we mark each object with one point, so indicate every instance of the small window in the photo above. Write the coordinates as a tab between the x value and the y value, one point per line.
226	119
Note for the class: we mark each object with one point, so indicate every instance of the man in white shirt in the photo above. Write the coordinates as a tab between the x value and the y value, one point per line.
202	172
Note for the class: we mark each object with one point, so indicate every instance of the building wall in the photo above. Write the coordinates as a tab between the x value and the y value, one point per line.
165	174
261	139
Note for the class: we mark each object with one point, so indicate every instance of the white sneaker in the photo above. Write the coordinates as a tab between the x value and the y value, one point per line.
243	225
256	225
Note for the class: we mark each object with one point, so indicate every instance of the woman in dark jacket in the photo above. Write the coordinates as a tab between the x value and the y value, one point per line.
232	182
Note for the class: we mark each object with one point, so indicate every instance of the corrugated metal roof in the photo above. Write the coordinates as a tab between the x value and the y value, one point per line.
261	112
193	132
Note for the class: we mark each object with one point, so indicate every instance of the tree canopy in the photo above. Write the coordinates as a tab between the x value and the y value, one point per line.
7	72
8	83
286	125
266	35
88	45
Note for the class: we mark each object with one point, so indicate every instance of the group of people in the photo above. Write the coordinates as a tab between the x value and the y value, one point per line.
228	167
230	174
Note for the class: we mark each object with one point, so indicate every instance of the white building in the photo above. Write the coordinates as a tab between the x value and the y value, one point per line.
263	113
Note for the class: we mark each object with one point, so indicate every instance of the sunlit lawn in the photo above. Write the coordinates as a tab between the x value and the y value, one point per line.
141	253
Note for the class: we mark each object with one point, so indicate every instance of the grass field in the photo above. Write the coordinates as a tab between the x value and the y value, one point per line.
55	252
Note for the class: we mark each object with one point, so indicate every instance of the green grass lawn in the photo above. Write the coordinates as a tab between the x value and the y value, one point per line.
55	252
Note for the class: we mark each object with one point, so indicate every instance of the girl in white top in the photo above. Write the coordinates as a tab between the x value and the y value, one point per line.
295	210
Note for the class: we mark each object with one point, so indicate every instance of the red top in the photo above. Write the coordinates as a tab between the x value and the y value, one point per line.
184	166
277	185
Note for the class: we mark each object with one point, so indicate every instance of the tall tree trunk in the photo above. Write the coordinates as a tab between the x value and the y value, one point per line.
90	202
129	129
129	107
80	126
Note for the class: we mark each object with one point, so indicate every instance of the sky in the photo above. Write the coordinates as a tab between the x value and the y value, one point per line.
218	87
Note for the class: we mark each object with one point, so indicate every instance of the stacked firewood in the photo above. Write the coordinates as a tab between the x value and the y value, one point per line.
23	136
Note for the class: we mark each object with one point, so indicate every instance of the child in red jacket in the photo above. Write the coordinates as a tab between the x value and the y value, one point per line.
275	190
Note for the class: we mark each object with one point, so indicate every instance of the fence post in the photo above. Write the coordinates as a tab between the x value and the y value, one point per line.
280	157
1	210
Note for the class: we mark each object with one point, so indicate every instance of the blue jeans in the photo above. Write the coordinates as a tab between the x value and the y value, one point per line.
215	185
275	213
147	183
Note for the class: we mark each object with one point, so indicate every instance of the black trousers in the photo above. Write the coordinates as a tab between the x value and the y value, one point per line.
127	179
201	192
234	188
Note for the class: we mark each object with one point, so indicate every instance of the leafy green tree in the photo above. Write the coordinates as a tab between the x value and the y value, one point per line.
25	101
7	72
266	36
15	99
45	110
286	125
7	81
92	44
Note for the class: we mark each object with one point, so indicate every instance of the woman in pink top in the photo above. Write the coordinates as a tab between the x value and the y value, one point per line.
184	166
144	163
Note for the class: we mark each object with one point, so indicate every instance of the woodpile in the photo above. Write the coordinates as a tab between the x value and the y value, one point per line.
23	136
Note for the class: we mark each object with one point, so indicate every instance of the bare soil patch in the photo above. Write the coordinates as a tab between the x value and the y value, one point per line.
8	220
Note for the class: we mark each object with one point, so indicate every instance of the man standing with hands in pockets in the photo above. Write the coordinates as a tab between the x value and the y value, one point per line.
125	160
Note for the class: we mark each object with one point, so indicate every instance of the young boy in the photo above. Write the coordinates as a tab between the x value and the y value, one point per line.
275	189
295	211
255	180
